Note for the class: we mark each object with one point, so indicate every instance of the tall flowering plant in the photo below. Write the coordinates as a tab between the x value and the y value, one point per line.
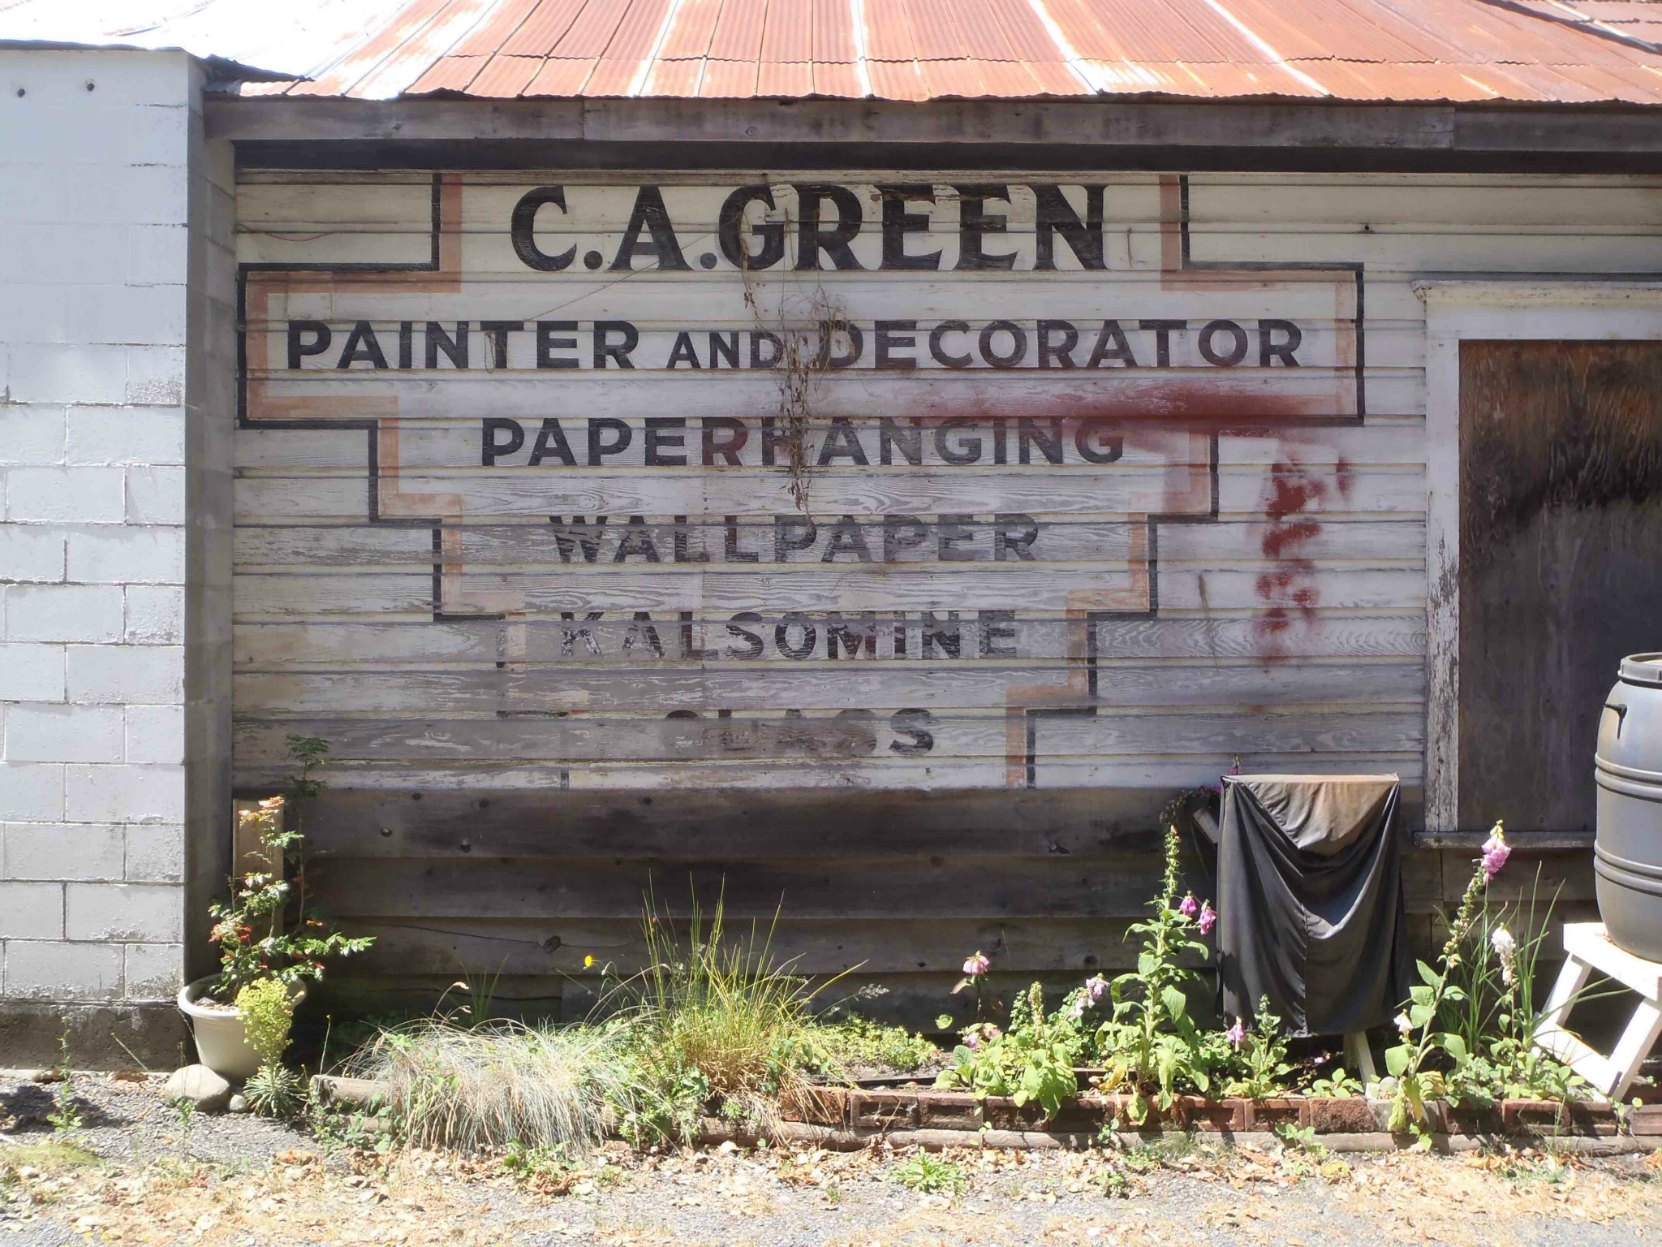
1417	1023
1151	1044
264	930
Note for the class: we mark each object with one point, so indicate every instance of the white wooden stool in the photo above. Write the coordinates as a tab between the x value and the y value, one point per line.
1588	948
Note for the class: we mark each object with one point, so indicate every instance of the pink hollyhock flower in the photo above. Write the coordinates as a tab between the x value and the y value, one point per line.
1095	988
1208	917
1188	906
1495	853
977	965
1236	1034
972	1041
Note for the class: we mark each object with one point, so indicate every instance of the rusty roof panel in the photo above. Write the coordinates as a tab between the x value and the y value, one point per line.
896	80
591	30
691	28
1152	30
838	79
1526	51
1323	30
612	76
738	31
678	78
504	77
888	30
728	80
562	77
787	79
788	32
544	28
489	35
452	73
1024	30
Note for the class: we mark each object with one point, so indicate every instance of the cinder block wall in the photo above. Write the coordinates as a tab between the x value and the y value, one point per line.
117	304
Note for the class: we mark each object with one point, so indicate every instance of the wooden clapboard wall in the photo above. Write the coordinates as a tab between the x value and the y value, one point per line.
1160	558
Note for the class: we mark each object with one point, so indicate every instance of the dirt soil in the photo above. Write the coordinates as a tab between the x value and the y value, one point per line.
135	1172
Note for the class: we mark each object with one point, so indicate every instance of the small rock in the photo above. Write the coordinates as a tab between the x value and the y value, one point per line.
238	1103
198	1083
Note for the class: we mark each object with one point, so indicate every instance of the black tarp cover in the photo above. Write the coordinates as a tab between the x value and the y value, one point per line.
1310	910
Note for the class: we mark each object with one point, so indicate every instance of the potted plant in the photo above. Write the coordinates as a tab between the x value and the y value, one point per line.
264	931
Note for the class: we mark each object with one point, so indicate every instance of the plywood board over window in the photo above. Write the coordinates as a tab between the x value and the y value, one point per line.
1560	564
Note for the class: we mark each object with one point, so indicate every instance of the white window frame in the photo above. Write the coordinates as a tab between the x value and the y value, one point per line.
1562	310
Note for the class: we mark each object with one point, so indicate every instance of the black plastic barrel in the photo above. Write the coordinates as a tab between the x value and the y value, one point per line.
1627	854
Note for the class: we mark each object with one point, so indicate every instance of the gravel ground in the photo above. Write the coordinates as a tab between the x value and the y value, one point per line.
134	1173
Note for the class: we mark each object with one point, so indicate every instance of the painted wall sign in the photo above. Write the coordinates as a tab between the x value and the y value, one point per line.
964	483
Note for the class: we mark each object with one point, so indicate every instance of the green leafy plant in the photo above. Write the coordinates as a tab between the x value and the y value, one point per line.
1032	1062
184	1108
859	1041
1496	1014
1296	1138
66	1112
1261	1067
928	1174
267	1009
1339	1085
265	931
1152	1045
1431	997
273	1091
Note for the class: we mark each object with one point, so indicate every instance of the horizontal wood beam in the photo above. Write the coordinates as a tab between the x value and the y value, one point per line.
520	127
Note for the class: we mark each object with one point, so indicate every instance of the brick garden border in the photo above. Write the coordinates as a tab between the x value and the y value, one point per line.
868	1112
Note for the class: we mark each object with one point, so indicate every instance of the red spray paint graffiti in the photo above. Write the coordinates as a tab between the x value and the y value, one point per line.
1289	591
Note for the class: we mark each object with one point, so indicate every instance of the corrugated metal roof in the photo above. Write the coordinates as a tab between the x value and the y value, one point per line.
1558	51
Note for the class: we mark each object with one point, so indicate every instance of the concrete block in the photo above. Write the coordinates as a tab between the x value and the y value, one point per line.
31	672
154	971
149	912
156	495
32	435
66	495
150	435
31	911
129	793
31	792
32	312
155	614
157	254
150	674
155	853
57	254
155	734
158	134
30	553
155	375
64	613
43	969
127	555
128	315
53	733
57	372
65	851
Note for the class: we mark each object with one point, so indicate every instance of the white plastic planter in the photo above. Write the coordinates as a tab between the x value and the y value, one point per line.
221	1043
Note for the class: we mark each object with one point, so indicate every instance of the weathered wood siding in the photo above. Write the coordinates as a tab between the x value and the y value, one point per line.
1047	570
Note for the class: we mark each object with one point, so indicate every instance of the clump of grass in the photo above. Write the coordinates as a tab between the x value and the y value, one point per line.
928	1174
718	1022
499	1085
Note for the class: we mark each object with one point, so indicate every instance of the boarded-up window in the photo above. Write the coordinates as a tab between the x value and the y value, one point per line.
1560	564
